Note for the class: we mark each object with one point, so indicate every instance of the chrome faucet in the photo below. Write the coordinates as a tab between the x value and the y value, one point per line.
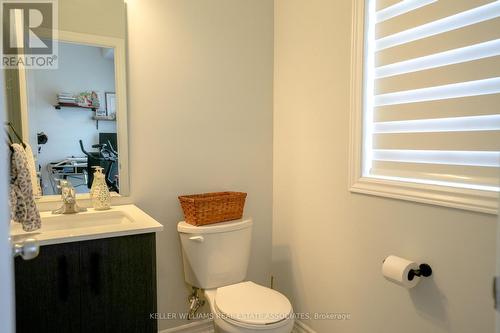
68	196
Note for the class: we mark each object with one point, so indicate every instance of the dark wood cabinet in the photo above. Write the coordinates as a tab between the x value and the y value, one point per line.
48	290
103	285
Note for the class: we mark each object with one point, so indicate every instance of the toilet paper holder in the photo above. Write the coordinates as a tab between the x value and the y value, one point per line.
423	270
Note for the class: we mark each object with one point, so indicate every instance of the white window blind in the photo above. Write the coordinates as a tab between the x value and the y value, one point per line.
432	92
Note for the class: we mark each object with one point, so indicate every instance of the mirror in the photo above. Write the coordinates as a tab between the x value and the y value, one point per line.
74	116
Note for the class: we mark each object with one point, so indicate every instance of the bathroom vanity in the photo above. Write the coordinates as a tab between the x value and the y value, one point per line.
96	272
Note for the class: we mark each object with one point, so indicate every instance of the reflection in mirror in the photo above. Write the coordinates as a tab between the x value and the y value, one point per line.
71	115
72	118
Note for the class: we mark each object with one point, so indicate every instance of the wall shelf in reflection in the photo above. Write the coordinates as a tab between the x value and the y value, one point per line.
100	118
63	105
106	118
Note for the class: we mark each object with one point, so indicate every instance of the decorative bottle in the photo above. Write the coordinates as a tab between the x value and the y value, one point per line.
99	192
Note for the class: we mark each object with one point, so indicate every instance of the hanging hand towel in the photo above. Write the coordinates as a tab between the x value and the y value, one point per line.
22	203
35	184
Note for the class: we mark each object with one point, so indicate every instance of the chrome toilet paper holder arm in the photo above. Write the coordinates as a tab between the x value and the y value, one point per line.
423	270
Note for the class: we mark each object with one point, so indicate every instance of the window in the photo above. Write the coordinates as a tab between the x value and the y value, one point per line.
426	101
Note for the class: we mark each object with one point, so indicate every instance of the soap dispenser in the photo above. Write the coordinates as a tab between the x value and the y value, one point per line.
99	192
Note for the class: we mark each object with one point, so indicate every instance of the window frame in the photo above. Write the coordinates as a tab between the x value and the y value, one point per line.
440	195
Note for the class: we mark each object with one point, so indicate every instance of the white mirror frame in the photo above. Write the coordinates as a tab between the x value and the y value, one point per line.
118	45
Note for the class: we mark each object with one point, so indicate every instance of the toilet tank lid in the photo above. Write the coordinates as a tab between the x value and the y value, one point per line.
214	228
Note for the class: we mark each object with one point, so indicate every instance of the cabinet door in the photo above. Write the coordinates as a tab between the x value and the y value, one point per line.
119	284
48	290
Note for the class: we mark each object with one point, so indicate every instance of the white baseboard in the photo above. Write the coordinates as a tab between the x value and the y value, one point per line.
300	327
201	326
206	326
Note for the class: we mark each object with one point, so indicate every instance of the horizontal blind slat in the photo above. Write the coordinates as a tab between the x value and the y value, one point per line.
471	158
397	10
463	19
449	141
450	57
477	33
456	90
381	4
463	72
452	124
447	108
425	14
471	175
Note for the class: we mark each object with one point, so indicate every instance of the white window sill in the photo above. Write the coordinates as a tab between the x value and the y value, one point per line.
460	198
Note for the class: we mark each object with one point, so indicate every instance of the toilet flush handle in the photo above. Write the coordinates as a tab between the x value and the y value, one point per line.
198	239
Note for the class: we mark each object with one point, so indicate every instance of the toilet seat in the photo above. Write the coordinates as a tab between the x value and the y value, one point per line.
250	305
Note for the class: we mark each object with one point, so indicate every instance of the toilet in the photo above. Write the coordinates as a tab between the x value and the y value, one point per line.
215	259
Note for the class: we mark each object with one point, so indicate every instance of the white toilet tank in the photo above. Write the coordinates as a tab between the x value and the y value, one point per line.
215	255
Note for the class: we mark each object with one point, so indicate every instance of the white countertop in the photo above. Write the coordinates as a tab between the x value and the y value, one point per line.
118	221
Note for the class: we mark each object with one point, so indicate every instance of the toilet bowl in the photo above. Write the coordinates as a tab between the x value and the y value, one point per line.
215	259
248	307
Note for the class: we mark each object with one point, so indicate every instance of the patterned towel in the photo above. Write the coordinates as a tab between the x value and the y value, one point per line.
22	202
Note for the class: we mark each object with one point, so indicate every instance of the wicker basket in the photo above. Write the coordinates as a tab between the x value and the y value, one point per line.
208	208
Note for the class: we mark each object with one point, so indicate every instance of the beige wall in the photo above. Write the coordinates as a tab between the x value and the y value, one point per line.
200	90
328	244
95	17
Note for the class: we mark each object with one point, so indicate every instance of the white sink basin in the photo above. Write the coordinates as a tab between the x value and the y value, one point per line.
92	224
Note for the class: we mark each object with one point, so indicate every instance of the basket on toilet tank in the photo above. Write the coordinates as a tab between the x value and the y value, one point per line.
208	208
